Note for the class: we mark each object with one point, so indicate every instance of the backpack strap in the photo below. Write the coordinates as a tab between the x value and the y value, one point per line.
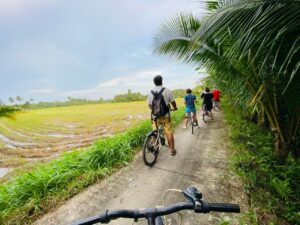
160	92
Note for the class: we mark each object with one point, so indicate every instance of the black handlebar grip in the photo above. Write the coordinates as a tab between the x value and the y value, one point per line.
223	207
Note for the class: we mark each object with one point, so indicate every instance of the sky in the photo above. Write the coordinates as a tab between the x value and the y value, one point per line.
52	49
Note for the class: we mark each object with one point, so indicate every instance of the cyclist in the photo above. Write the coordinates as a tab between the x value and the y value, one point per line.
189	101
216	92
165	118
207	100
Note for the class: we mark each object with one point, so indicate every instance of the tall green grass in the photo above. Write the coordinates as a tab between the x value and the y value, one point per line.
35	192
273	186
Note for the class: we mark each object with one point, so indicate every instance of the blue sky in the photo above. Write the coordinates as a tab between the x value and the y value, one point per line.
52	49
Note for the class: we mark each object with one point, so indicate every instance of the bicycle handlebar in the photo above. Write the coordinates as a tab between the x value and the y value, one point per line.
205	207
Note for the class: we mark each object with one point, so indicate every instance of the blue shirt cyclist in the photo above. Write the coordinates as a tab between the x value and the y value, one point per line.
189	101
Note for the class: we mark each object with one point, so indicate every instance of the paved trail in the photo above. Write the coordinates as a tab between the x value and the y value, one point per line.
201	160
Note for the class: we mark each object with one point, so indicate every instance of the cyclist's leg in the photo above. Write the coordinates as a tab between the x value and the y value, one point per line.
187	112
209	109
186	120
169	134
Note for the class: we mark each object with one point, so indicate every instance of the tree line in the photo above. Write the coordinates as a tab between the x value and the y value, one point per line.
18	102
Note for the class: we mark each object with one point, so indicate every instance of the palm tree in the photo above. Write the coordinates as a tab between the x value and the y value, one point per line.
251	49
19	99
11	99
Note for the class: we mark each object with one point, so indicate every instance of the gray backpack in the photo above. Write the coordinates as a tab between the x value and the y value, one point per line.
159	106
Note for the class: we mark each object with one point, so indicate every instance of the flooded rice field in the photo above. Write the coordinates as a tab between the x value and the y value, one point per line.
44	134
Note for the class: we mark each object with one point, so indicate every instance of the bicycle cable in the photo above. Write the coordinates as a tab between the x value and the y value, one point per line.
178	213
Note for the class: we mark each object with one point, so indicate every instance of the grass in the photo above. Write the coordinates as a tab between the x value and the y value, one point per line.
30	195
272	185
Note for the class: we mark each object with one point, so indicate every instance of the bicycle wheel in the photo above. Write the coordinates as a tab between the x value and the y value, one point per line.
192	124
150	150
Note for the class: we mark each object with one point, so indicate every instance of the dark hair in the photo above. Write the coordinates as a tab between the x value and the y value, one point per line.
158	80
188	91
207	89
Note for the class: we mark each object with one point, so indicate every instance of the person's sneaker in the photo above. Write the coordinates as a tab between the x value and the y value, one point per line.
184	127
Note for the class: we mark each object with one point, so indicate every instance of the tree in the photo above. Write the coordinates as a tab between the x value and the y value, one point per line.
129	97
8	111
251	50
11	99
19	99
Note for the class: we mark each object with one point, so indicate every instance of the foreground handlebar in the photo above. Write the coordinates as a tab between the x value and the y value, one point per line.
159	211
222	207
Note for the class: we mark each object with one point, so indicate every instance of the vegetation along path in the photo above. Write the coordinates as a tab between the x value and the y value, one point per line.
201	160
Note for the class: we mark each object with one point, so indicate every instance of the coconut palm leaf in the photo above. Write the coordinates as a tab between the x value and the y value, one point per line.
251	49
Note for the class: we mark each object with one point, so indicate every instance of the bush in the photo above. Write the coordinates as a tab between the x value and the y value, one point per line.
272	185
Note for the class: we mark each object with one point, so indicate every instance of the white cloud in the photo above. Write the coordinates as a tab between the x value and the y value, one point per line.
41	91
135	78
15	7
141	81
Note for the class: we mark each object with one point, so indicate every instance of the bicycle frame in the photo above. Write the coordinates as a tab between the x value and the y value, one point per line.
159	133
191	118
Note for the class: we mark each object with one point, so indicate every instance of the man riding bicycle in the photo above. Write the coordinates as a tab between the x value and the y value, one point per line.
207	100
189	101
216	100
159	101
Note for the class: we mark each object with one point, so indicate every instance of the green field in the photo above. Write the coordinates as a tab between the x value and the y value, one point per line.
43	134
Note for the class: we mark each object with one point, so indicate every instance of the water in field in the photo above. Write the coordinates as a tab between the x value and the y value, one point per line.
4	171
12	143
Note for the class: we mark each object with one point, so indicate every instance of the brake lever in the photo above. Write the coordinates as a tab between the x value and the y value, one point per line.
192	194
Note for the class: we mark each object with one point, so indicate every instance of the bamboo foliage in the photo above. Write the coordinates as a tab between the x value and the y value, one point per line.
252	50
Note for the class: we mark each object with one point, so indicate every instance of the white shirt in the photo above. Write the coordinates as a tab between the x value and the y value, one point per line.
167	93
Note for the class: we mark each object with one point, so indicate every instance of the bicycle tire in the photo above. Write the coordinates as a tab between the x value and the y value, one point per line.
193	127
150	150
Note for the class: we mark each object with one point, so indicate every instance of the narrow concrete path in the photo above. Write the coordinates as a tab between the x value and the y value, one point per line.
201	161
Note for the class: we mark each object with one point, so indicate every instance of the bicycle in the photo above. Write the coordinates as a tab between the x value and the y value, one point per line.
216	105
192	122
205	114
154	215
153	143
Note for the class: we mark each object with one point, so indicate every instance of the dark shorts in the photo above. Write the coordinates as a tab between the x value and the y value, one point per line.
208	106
